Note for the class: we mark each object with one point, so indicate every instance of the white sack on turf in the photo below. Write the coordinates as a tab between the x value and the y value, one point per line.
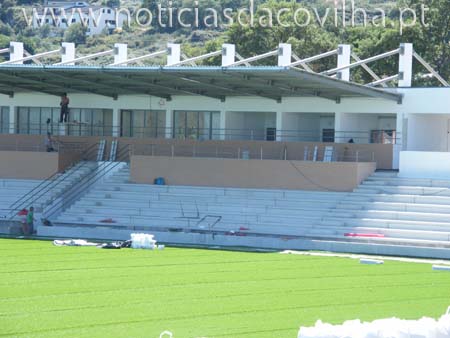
143	241
383	328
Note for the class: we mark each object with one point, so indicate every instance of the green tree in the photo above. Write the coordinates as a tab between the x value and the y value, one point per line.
76	33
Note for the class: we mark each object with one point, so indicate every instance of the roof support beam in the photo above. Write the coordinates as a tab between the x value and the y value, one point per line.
254	58
431	70
86	57
358	63
303	64
350	87
368	69
139	58
314	58
197	58
30	57
382	81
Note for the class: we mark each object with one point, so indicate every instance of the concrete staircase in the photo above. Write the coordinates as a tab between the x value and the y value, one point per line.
413	215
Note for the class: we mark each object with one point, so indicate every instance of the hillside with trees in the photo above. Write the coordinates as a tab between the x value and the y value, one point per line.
432	41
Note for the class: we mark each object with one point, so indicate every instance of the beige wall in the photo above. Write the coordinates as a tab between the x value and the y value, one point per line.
382	154
27	164
268	174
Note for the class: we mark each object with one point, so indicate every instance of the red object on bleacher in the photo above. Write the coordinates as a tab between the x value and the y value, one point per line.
23	212
350	234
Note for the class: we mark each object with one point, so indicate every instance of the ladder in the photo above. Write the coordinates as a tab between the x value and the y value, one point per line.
101	150
113	152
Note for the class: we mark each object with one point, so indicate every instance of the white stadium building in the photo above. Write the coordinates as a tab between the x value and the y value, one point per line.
263	156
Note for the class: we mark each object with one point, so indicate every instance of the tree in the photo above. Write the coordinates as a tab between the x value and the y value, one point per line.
76	33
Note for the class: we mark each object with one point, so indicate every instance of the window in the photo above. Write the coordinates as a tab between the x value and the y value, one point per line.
33	120
83	122
74	20
90	122
203	125
143	123
109	11
4	120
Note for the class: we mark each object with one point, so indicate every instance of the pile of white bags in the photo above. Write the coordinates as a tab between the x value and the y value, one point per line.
383	328
144	241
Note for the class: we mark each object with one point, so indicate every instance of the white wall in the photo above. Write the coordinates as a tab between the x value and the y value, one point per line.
305	126
424	101
249	125
428	132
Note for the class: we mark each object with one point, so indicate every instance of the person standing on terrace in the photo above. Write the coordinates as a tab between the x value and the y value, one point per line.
64	108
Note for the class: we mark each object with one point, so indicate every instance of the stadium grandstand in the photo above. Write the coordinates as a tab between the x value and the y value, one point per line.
275	157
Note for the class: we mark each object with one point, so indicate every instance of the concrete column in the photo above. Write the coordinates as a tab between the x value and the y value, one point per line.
344	54
401	140
405	65
12	119
16	51
120	52
116	122
68	52
279	126
338	127
169	123
173	54
223	124
228	54
284	54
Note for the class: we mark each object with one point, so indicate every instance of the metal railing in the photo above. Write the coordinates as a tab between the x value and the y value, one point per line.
203	134
278	152
76	191
47	185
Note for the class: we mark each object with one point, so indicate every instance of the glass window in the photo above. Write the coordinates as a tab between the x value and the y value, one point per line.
143	123
138	123
126	123
22	120
4	120
179	124
215	126
196	125
34	120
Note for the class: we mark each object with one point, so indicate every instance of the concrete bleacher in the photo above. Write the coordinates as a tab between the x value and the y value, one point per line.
413	215
11	190
21	193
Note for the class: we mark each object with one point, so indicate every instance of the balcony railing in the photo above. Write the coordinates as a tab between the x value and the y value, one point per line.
201	134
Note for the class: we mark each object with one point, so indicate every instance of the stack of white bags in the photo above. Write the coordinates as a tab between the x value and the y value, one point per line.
383	328
144	241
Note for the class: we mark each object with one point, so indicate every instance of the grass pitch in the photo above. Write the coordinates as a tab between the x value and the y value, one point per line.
48	291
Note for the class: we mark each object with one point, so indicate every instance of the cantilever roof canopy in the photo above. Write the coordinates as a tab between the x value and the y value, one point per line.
216	82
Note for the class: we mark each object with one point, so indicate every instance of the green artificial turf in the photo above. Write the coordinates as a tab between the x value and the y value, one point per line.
48	291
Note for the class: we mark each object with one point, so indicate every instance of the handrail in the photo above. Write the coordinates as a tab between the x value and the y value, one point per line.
74	191
44	187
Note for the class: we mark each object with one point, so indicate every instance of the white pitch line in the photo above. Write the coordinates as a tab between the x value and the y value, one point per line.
354	256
